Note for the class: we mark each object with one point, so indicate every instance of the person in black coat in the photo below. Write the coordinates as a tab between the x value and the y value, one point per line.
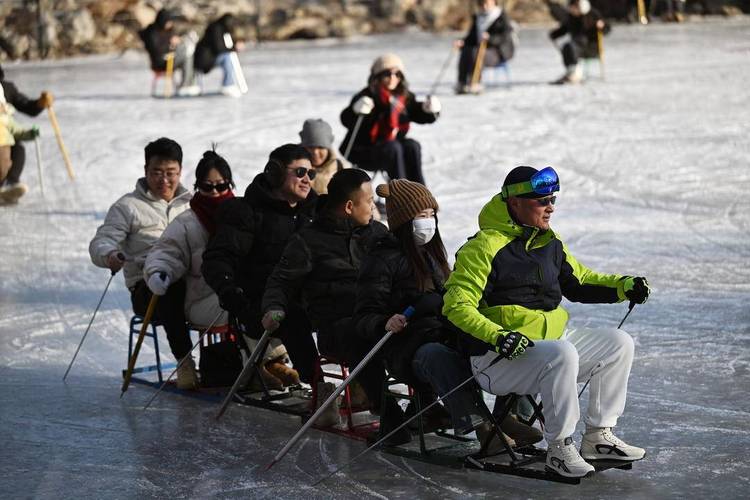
251	234
582	25
378	119
492	25
215	49
159	39
12	152
321	263
406	268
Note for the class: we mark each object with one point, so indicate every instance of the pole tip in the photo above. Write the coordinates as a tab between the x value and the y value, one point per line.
268	467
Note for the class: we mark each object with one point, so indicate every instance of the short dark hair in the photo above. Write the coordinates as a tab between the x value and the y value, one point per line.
164	148
287	153
212	160
343	184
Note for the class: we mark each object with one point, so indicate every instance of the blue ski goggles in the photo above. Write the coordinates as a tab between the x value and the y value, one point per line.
543	182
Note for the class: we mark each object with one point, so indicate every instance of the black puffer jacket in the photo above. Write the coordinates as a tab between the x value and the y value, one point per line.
19	101
501	37
251	234
322	261
212	44
387	286
583	31
412	112
156	40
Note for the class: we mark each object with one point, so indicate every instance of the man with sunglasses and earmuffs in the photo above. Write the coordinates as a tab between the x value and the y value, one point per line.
505	293
251	234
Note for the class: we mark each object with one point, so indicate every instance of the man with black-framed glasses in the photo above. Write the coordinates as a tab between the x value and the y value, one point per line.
134	223
251	234
505	293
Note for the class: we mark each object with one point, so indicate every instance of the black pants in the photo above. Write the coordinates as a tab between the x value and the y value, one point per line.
572	52
400	158
467	61
170	311
338	340
295	332
18	159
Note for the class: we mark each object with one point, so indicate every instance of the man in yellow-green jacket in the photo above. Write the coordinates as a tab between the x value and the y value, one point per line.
505	293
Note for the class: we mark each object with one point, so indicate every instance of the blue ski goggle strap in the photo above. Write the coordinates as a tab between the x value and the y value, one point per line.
543	182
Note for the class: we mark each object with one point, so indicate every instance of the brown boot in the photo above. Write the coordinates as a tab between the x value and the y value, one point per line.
187	379
521	433
281	371
491	444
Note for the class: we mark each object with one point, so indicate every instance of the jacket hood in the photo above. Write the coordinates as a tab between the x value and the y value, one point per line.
141	187
258	193
495	215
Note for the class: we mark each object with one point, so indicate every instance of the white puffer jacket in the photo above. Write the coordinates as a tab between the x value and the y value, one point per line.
179	253
133	225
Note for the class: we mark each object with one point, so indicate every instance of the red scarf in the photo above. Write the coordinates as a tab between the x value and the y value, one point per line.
205	208
387	127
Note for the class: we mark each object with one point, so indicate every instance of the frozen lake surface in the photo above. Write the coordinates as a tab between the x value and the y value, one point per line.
655	182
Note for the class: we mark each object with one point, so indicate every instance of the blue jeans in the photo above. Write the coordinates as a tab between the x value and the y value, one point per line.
224	60
443	368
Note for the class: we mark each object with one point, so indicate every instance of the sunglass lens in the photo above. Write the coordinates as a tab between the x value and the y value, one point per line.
547	201
301	171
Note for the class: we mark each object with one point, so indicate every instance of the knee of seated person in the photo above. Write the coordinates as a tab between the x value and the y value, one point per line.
623	341
565	353
430	357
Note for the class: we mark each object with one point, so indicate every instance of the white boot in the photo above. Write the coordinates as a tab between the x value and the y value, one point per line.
563	458
187	379
231	91
600	444
574	74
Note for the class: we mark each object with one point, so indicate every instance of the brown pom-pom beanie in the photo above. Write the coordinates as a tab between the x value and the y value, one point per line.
404	200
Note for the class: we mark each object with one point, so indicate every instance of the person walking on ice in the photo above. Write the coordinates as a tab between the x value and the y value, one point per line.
505	293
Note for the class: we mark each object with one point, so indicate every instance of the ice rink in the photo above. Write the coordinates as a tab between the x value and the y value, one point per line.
655	182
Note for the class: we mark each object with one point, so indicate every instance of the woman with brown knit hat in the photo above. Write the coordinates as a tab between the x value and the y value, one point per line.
404	268
378	120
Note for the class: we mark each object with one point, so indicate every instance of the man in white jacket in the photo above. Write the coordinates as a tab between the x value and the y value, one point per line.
132	225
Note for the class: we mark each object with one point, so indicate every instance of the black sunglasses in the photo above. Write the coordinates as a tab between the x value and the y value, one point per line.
389	72
208	187
302	171
547	201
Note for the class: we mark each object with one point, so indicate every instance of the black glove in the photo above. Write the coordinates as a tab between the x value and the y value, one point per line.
636	289
510	344
233	300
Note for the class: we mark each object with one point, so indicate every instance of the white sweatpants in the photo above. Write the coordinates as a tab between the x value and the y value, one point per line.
552	368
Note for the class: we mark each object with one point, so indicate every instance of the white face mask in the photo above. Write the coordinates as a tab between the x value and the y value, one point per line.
424	230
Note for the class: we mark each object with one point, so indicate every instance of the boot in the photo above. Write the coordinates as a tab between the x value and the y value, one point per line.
10	193
287	375
599	443
521	433
358	396
573	74
330	416
393	417
433	419
563	458
491	444
268	379
187	379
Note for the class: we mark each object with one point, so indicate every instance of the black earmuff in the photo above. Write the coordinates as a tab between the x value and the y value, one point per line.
275	173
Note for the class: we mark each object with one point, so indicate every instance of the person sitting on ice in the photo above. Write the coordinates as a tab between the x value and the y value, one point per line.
491	25
12	152
159	40
133	225
251	234
178	255
582	24
505	293
320	264
215	48
378	119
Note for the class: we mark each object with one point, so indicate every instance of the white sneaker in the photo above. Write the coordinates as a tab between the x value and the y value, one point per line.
189	91
601	444
563	458
187	379
330	416
10	193
231	91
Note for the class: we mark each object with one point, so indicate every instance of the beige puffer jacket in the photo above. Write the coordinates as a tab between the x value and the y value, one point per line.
133	225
